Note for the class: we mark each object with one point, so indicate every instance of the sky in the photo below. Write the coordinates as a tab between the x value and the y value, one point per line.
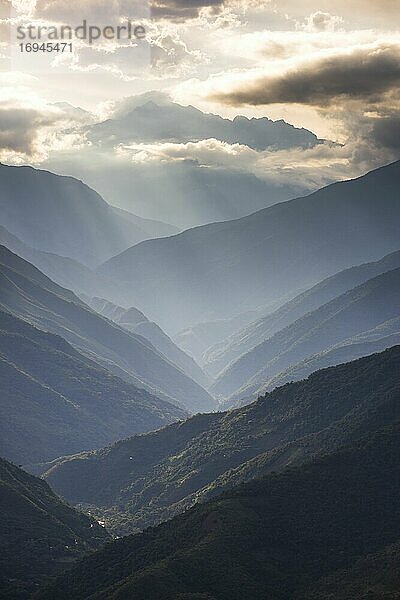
331	66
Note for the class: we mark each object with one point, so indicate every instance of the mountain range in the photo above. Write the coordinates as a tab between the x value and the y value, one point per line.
363	308
55	401
278	479
63	216
29	295
196	180
217	357
220	270
153	117
322	524
155	476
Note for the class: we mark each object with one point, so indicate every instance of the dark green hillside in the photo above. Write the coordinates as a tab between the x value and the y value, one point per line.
272	538
39	534
152	477
55	401
30	295
376	577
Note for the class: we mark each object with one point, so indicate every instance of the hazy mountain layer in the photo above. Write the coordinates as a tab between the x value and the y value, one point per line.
30	295
198	339
349	350
67	272
55	401
182	192
136	322
223	269
356	311
217	358
63	216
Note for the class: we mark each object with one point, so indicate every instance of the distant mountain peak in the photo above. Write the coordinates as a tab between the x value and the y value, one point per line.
188	123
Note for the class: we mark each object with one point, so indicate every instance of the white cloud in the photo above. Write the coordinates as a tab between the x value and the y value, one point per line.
205	153
321	21
310	168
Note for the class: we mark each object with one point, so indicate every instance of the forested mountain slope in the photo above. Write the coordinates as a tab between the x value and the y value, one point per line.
279	537
39	534
146	479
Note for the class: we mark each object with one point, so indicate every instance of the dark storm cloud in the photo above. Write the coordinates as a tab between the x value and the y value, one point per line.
70	10
386	132
364	74
19	128
181	9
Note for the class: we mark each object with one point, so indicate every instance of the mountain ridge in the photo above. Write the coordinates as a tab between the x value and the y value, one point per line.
136	322
195	460
30	295
56	401
62	215
225	268
166	120
359	309
221	355
285	532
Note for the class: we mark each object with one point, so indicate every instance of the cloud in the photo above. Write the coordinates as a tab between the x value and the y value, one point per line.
309	168
19	128
124	61
322	21
356	88
178	10
162	53
204	153
30	129
356	13
386	131
170	55
95	11
102	10
363	74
